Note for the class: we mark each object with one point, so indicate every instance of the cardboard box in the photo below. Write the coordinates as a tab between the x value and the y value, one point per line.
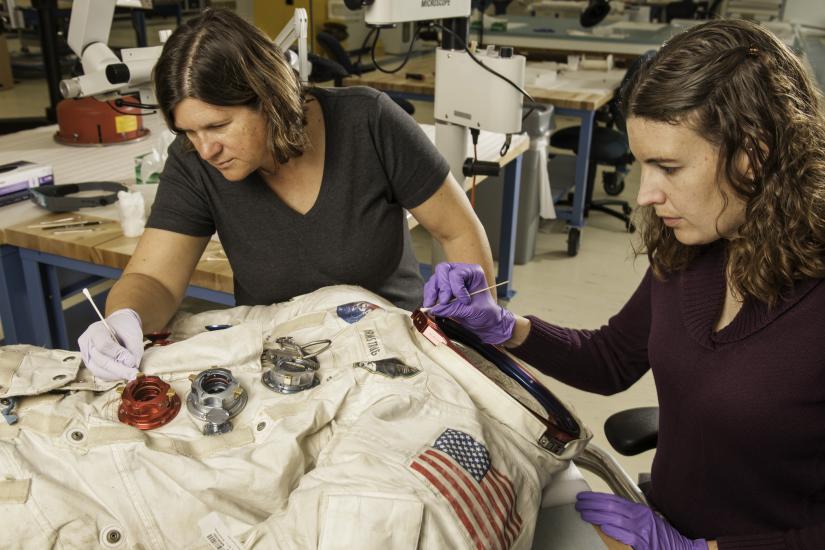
16	178
6	80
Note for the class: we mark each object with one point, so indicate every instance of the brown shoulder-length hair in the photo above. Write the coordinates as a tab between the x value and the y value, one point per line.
220	59
743	90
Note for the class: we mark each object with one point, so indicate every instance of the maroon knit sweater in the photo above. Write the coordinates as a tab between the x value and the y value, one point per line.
741	450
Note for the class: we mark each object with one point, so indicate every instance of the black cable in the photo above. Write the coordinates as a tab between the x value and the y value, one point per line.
406	57
474	133
532	108
115	109
121	103
364	46
506	146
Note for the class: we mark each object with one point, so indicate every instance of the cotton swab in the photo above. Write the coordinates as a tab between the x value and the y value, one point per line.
105	324
426	309
46	224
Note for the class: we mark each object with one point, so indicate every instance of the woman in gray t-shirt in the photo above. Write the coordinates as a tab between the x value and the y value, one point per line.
305	188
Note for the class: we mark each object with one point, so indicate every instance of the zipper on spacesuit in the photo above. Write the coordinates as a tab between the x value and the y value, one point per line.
556	435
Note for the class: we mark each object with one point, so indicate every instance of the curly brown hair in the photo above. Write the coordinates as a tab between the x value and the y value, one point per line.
221	59
746	92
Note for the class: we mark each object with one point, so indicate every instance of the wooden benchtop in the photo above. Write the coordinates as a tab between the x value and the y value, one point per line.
76	246
108	247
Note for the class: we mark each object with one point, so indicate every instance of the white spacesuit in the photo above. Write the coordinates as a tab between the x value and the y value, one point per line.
401	444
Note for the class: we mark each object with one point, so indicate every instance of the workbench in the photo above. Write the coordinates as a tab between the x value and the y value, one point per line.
566	35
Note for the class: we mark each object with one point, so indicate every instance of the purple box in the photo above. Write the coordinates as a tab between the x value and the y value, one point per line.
16	178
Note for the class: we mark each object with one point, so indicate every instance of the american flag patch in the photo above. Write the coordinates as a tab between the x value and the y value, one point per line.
458	468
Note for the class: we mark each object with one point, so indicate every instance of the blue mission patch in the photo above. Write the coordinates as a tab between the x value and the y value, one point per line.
354	311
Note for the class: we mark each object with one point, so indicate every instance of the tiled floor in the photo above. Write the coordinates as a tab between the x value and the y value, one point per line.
579	292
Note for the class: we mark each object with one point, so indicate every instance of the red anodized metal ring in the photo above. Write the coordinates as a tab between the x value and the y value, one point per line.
159	338
148	402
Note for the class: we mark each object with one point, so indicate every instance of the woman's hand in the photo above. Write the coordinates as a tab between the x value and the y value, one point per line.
480	313
453	280
113	356
633	524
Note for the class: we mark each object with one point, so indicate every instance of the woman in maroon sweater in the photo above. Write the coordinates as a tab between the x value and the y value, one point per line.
731	315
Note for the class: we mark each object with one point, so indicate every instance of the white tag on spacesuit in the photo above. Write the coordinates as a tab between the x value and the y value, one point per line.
216	533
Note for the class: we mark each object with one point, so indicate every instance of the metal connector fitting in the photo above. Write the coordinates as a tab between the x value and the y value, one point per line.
147	402
291	368
216	397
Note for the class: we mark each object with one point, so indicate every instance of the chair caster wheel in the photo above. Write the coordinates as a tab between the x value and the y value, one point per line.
612	184
573	241
630	227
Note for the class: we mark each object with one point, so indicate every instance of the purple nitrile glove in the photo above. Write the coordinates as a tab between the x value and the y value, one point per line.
633	524
480	313
453	280
109	359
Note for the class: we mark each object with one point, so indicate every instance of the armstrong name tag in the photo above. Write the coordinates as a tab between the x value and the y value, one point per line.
373	343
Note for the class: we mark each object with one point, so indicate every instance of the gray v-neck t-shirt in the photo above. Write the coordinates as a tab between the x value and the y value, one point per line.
377	163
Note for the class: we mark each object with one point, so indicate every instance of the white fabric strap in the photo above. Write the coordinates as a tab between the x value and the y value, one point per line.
10	361
14	491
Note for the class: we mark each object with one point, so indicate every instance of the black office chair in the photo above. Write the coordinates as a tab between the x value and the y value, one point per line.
333	48
324	70
608	147
499	6
681	9
634	431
